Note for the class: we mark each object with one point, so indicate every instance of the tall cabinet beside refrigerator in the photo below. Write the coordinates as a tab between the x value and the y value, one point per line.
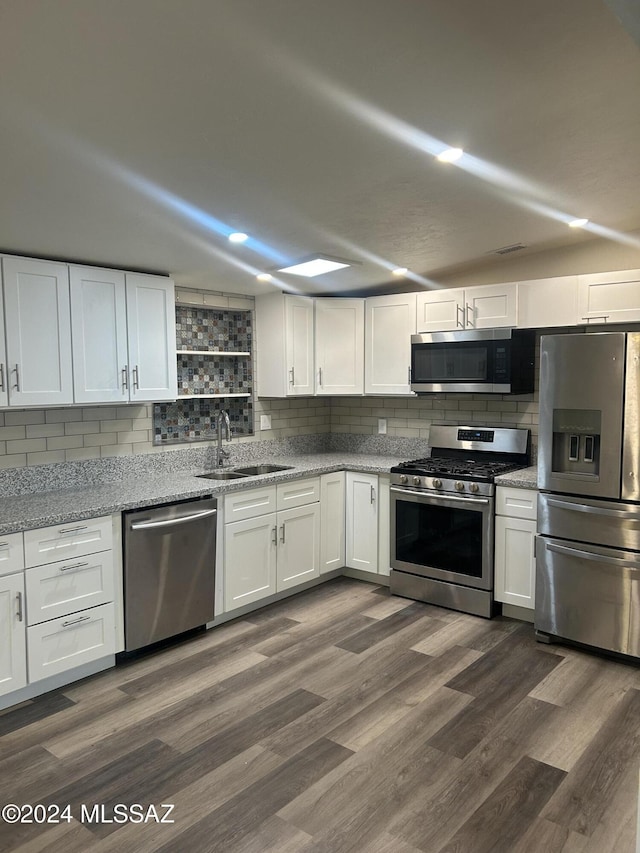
588	542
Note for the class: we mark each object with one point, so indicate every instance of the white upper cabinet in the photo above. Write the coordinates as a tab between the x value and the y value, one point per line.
285	349
99	324
548	302
389	323
611	297
339	346
38	326
151	328
487	307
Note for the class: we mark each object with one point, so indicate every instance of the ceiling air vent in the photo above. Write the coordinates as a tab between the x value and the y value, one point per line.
506	250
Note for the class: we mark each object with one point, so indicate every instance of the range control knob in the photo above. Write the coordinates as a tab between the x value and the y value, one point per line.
474	487
416	481
437	484
403	478
459	486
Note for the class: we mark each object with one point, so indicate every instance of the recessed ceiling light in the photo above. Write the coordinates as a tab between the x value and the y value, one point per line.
238	237
264	276
315	266
577	223
450	155
399	271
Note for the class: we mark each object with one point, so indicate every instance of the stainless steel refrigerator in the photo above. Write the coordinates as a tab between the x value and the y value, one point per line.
588	543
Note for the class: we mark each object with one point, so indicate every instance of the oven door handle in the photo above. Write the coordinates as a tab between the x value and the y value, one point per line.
594	510
401	491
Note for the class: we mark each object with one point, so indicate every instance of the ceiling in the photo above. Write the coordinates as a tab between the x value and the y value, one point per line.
139	133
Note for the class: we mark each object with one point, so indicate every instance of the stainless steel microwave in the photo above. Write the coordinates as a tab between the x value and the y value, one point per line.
482	361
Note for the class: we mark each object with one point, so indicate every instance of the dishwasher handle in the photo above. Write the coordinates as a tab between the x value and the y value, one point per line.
168	522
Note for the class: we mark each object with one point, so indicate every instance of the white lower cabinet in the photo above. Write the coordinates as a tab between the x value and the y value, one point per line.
332	521
515	532
362	521
265	553
62	644
13	654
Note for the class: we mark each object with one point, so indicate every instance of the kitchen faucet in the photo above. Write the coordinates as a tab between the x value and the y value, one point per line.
221	454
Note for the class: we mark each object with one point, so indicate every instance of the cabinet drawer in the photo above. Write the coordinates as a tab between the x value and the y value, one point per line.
62	644
11	554
249	504
517	503
64	541
57	589
298	493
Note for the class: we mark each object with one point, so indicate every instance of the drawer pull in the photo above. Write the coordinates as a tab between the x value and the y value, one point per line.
76	621
64	530
73	566
4	544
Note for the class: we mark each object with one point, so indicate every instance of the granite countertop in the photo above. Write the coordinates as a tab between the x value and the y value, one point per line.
29	511
525	478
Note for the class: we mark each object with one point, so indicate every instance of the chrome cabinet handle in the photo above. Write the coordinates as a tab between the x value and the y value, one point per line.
64	530
459	310
274	533
16	370
291	376
136	378
76	621
73	566
373	494
19	603
2	388
604	317
320	376
469	319
282	534
125	377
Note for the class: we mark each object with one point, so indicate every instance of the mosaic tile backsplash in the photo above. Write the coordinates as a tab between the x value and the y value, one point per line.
207	331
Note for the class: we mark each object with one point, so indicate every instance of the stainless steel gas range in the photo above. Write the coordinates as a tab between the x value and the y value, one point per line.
442	516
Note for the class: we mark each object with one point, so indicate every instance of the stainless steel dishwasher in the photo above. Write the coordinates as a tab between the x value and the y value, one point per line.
169	570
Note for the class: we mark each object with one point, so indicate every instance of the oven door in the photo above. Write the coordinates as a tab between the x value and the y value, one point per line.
444	537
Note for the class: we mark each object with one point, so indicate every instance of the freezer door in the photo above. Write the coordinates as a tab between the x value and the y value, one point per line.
581	407
588	594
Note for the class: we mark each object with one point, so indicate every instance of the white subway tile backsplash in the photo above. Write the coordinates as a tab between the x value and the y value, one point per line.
12	432
27	445
58	416
24	417
44	430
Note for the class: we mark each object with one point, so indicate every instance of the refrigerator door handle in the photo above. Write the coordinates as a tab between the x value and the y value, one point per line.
594	510
589	555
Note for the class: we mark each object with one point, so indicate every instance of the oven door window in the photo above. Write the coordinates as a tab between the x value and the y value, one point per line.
440	537
460	362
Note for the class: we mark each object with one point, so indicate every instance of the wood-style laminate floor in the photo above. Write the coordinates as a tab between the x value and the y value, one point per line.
340	720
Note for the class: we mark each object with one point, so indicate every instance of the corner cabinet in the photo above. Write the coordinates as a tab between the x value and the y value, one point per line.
483	307
362	521
285	345
38	333
389	323
339	346
515	533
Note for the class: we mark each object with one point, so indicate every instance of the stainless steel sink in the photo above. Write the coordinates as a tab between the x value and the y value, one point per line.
252	470
222	475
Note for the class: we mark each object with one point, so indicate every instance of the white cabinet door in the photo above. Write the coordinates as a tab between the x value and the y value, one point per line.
13	652
99	326
4	375
298	546
38	327
151	325
515	565
362	521
340	346
389	323
332	521
491	306
299	345
249	560
284	345
440	310
612	297
384	524
548	302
